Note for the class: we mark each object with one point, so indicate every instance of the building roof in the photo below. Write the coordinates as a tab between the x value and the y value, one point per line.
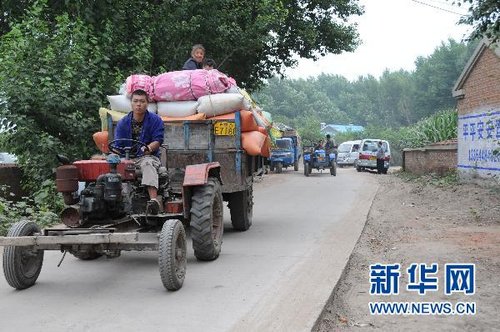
341	128
457	91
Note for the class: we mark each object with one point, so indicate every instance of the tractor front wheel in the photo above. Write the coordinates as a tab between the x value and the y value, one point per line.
207	224
22	265
172	254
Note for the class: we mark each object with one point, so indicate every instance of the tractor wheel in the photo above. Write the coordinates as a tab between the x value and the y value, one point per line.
22	265
358	169
279	167
241	207
172	254
333	169
207	224
307	169
296	165
87	255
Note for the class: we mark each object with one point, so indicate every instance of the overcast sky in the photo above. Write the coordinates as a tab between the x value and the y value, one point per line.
393	33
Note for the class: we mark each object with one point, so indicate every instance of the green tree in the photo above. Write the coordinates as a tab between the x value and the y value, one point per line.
396	99
251	40
484	15
59	59
435	77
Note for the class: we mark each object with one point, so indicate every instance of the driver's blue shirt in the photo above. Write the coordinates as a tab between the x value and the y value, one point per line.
152	130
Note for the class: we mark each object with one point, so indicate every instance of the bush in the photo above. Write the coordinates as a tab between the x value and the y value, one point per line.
39	209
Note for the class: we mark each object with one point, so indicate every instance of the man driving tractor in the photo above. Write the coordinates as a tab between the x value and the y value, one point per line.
147	128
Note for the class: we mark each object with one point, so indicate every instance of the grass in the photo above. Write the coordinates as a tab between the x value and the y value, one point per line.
448	179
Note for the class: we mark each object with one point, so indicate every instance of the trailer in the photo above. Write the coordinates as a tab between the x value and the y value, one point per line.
206	141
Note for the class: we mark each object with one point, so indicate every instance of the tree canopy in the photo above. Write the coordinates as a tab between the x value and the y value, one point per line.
396	99
484	15
59	59
251	40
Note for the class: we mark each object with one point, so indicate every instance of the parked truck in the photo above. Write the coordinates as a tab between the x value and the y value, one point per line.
202	165
287	152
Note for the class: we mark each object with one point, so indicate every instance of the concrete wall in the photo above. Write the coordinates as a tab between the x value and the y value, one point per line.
439	160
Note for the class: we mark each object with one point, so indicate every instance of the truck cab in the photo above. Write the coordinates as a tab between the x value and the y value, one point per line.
282	155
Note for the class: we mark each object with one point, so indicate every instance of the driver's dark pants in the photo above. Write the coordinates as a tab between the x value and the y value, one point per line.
149	167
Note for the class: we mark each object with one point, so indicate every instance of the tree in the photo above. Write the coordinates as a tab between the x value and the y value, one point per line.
396	99
59	59
484	15
251	40
436	75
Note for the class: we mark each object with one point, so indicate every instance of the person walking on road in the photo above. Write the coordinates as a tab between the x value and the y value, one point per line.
380	158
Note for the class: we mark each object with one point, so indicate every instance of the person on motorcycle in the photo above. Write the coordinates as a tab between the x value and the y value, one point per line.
146	127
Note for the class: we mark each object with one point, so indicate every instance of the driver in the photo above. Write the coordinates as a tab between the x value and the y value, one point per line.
146	127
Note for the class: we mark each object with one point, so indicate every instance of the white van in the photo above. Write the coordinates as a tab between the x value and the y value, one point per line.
368	154
347	153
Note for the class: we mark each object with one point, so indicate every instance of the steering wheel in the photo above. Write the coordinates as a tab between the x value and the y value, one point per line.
131	151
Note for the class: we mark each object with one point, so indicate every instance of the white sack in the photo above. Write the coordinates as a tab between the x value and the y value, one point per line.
222	103
177	109
122	103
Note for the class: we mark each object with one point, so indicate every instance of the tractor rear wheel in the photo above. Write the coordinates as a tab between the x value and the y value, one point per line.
172	254
241	207
307	169
22	265
207	224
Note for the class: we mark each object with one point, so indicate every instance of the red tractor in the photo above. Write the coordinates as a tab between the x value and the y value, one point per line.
109	214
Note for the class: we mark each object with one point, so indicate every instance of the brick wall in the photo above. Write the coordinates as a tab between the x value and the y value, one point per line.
481	98
482	88
437	160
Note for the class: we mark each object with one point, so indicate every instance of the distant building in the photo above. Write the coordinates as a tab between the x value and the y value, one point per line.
334	129
477	91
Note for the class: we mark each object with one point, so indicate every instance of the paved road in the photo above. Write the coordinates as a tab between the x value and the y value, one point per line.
275	277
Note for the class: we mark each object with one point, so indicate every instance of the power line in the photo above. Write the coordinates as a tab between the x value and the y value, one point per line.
439	8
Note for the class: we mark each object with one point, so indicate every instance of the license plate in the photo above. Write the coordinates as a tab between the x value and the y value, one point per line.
373	158
222	128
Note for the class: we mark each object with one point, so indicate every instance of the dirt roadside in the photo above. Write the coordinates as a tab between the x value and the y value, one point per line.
422	220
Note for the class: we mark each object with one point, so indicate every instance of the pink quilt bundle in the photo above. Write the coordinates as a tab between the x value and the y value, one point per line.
189	84
139	82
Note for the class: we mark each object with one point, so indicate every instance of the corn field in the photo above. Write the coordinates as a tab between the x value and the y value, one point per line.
438	127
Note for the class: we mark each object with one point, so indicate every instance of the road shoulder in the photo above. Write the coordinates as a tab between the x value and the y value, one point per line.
422	222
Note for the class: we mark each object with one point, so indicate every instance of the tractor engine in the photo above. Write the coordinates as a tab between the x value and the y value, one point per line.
102	198
105	196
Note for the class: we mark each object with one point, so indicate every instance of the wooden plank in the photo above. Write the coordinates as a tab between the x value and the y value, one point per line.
111	238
